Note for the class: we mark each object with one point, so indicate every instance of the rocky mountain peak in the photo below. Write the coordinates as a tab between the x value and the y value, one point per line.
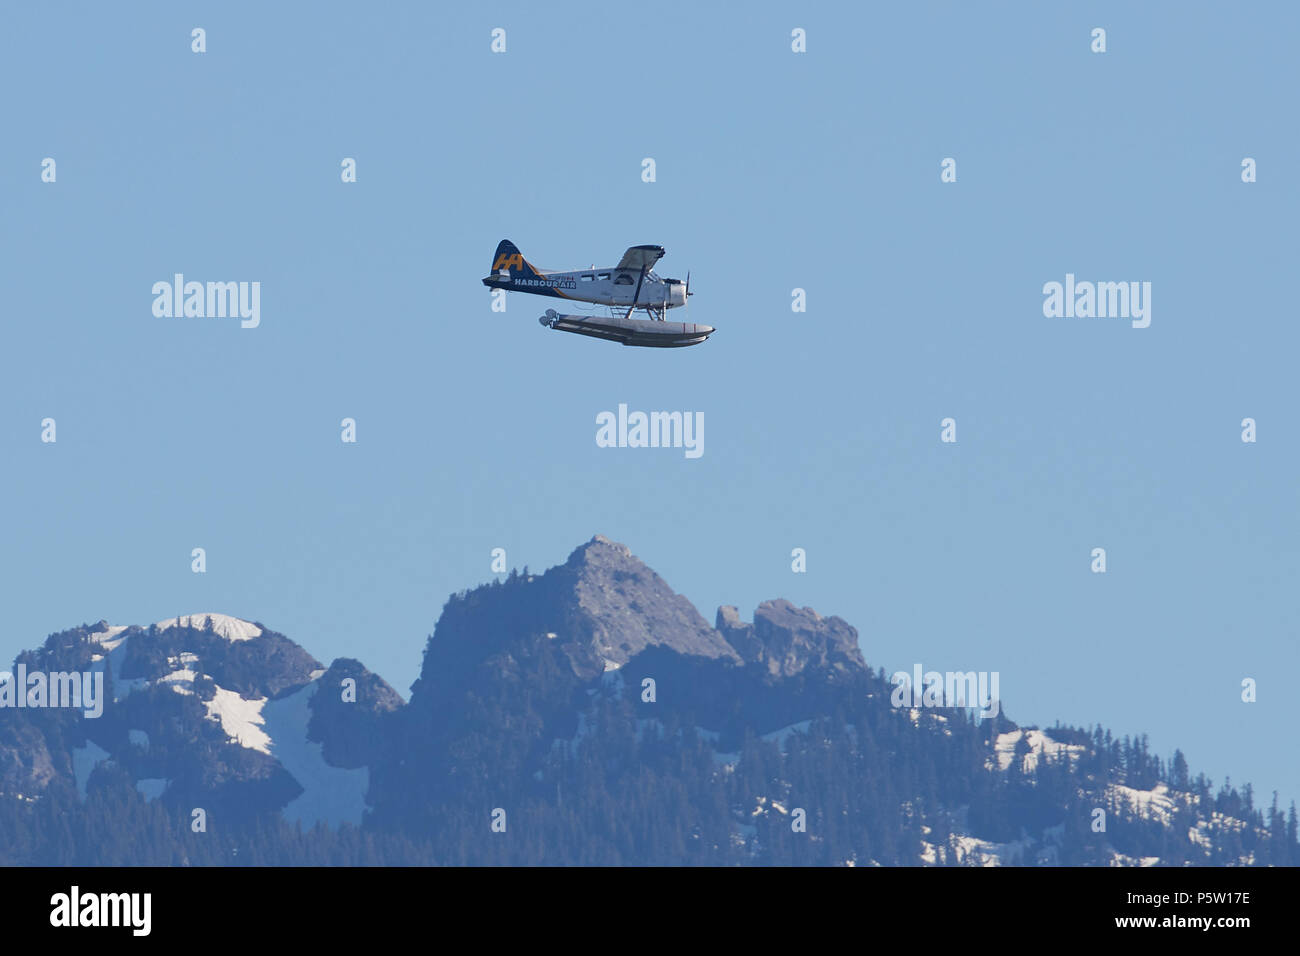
598	610
622	606
786	640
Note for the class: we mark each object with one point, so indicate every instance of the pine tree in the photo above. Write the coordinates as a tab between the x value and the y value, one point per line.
1179	771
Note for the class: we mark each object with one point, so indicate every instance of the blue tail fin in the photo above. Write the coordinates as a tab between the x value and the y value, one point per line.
509	257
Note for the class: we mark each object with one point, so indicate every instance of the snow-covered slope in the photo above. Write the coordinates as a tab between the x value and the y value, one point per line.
331	795
219	700
1038	743
231	628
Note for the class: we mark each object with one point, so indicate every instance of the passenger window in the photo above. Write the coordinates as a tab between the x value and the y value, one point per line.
602	275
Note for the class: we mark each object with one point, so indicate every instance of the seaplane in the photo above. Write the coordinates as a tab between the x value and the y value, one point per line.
619	290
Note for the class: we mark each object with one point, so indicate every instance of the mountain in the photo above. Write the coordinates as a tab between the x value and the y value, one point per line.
587	715
203	710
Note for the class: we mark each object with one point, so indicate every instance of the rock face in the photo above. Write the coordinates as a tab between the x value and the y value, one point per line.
622	607
599	609
350	721
26	767
785	640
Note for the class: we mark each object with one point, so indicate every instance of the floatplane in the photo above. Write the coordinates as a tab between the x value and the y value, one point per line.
620	289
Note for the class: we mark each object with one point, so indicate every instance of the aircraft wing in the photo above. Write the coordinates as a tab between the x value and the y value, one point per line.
640	257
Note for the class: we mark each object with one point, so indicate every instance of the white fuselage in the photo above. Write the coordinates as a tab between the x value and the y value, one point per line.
612	287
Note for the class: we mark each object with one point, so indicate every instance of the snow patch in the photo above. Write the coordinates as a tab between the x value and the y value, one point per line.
1153	804
84	760
331	795
151	788
110	663
110	637
231	628
240	718
1039	744
972	851
181	681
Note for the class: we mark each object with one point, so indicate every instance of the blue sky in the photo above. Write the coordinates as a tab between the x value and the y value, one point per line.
775	170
